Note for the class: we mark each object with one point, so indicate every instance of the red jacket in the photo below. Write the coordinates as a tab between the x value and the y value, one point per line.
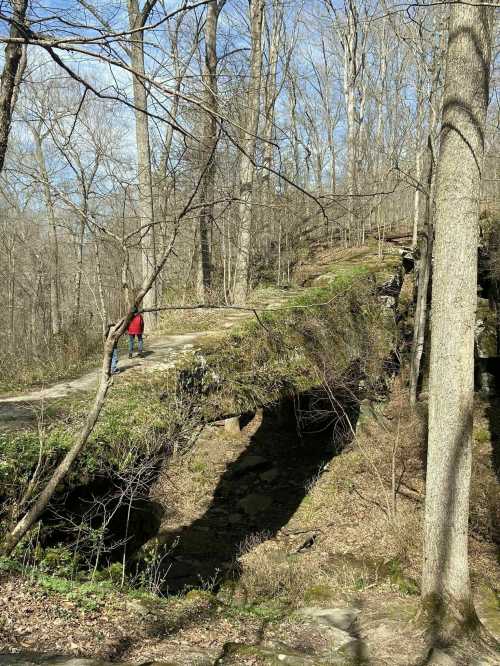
136	326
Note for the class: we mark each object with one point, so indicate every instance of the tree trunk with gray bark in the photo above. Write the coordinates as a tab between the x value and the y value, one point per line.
10	80
209	140
247	160
445	581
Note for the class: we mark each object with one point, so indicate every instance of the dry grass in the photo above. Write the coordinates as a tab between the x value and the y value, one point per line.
53	359
360	552
176	322
269	572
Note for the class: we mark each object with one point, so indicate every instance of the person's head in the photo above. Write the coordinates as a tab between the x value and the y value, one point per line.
135	309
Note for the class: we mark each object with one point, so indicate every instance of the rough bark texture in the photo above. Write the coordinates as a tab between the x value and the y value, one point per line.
445	579
9	79
247	168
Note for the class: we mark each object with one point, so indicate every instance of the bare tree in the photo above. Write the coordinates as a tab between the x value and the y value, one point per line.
55	281
12	69
353	69
209	139
137	20
247	159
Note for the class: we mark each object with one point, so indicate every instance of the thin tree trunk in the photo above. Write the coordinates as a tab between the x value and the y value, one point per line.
55	304
351	71
247	158
79	265
417	197
419	119
60	472
146	210
11	293
424	269
445	580
207	185
100	288
295	134
271	95
64	466
9	81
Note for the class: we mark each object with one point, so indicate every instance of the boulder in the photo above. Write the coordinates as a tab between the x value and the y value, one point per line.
341	618
267	654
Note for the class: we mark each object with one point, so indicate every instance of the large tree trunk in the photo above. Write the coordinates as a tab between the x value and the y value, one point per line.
445	581
9	80
247	160
209	139
144	176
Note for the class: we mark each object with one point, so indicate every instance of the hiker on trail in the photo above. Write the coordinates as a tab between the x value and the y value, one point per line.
114	356
135	329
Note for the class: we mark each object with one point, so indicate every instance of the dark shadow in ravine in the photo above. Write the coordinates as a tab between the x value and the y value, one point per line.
493	413
259	492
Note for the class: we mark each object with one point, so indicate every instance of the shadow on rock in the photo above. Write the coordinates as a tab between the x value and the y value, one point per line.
257	494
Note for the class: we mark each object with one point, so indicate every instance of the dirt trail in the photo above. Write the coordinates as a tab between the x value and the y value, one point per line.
161	352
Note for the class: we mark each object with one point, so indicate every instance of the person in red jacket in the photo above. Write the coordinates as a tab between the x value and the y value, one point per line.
135	329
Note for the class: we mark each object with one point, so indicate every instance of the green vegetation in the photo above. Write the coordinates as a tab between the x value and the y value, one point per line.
53	575
325	329
330	335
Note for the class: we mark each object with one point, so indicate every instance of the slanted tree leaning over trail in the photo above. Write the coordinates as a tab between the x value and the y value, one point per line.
445	582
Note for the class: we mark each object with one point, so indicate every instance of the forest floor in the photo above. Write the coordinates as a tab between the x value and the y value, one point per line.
298	552
322	573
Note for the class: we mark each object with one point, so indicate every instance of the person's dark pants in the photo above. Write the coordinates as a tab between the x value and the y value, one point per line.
131	343
114	361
